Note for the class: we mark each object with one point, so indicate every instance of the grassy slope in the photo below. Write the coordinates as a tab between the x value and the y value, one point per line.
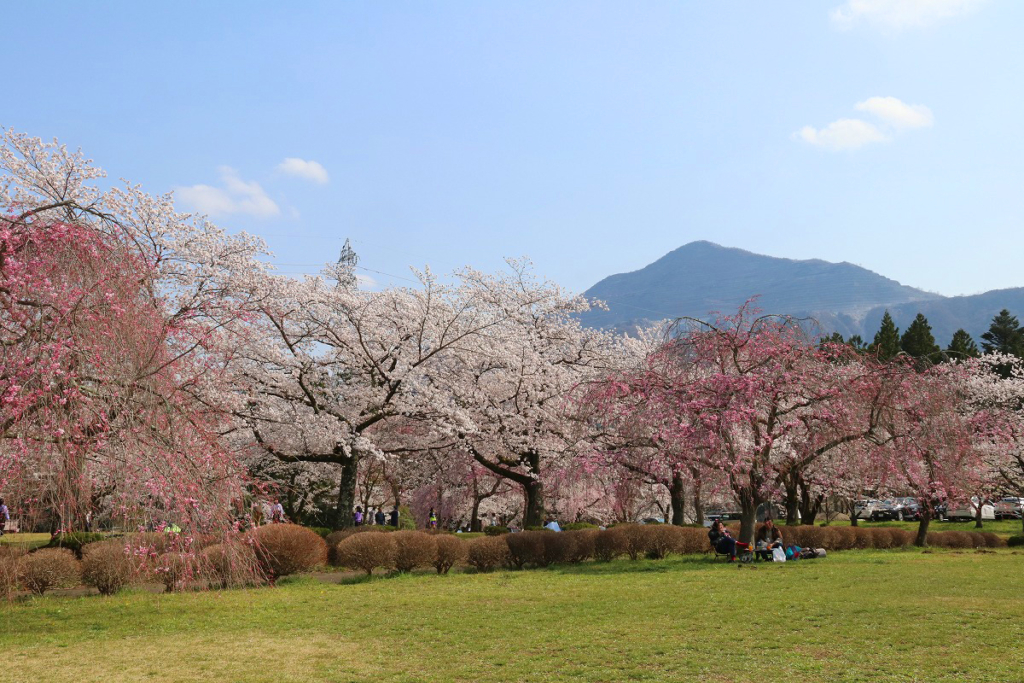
856	616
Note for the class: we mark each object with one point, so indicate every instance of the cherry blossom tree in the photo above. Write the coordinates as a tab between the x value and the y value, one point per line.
112	307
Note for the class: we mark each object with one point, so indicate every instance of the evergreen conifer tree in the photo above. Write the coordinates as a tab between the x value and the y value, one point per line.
918	341
887	340
1004	335
962	346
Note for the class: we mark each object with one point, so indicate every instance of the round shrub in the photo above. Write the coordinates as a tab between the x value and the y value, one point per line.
840	538
527	547
693	540
579	545
1015	541
660	539
862	538
414	549
49	568
232	564
495	530
488	552
177	570
336	537
635	539
578	526
108	566
10	566
449	552
284	549
992	540
366	552
609	544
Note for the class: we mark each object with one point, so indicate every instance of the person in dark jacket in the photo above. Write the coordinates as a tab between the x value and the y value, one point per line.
767	539
379	518
393	521
721	540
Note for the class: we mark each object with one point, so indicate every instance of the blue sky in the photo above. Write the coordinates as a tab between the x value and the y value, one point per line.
592	137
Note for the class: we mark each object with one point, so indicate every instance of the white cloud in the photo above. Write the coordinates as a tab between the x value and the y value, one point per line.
309	170
848	134
899	14
896	113
236	196
841	135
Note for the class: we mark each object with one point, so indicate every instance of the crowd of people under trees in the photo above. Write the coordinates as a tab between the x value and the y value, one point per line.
156	367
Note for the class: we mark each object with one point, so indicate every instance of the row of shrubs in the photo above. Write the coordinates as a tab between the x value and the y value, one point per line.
270	552
177	561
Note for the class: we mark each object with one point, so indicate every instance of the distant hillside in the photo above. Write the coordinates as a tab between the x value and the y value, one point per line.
702	277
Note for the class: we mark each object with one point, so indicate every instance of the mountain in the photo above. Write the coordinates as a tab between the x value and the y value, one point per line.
700	278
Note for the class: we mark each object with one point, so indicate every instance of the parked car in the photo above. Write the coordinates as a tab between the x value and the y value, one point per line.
862	509
1009	508
965	513
724	515
899	509
884	510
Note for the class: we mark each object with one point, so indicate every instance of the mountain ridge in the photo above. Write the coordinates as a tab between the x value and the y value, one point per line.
702	277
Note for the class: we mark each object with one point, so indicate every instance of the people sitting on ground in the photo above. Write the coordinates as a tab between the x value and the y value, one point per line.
768	538
721	540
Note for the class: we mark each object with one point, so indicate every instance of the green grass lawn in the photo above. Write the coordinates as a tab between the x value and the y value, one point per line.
855	616
1003	527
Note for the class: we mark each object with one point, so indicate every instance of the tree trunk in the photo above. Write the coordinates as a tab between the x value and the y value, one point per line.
748	518
533	514
922	529
474	519
792	501
977	515
853	513
677	494
809	507
346	494
698	503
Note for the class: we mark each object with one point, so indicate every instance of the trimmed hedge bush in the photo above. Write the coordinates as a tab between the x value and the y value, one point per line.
579	544
527	547
108	566
49	568
488	552
366	552
414	549
610	544
1015	541
284	549
578	526
232	564
175	570
10	565
449	551
495	530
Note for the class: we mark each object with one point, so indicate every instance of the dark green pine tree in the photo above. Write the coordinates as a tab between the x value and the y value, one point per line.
918	341
962	346
887	340
1004	335
857	342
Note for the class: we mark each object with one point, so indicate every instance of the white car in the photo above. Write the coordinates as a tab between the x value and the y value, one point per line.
966	513
1009	508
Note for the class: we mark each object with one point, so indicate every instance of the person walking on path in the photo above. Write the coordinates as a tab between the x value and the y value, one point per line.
5	516
432	519
394	517
379	518
357	516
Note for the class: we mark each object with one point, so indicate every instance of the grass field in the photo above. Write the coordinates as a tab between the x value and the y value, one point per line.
855	616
